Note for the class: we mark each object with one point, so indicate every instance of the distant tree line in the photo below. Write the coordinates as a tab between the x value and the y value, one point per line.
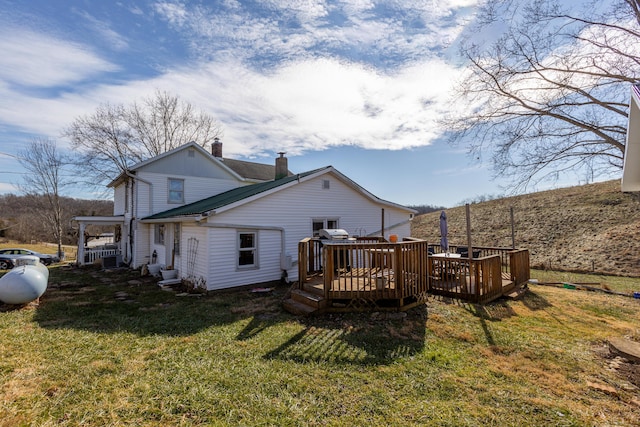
21	220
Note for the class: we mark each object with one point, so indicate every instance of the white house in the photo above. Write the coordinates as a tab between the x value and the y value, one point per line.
231	223
631	168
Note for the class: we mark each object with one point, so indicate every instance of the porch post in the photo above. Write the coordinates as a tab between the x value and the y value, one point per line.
80	257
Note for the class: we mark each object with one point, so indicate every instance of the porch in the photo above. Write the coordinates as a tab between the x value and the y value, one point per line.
372	274
108	248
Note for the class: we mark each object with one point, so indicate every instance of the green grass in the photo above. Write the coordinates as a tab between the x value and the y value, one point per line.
615	283
85	357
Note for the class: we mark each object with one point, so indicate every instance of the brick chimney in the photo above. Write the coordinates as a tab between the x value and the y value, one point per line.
216	148
282	167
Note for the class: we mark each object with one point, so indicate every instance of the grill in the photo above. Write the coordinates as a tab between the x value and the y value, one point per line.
330	236
335	234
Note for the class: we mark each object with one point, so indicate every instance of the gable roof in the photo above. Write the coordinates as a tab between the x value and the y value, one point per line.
240	169
249	192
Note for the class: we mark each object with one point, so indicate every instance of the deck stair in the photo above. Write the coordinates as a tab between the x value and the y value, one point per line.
304	303
517	292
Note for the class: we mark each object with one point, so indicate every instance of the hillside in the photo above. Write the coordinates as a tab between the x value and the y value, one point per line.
590	228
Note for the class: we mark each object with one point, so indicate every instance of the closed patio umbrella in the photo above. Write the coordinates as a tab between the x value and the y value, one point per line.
444	243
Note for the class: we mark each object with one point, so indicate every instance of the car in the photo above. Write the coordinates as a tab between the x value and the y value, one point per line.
46	259
7	262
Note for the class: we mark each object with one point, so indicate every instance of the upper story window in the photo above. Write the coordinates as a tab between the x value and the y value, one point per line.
176	190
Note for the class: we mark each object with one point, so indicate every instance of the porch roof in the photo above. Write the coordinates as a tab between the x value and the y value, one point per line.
100	220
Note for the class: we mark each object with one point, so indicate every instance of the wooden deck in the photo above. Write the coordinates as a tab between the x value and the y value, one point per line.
374	275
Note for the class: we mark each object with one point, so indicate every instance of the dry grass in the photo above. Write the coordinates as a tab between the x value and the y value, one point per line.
590	228
45	248
87	356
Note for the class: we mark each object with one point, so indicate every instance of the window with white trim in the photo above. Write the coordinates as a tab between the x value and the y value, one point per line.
320	223
247	249
175	190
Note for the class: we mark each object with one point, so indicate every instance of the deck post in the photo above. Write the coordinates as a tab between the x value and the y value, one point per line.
400	269
327	254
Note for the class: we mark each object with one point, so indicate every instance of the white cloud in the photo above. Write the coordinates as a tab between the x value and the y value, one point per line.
315	104
303	105
305	10
399	31
40	60
175	13
104	31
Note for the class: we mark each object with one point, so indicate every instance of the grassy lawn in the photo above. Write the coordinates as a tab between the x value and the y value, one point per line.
111	348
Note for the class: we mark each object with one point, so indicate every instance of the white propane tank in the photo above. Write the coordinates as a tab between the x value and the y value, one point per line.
23	284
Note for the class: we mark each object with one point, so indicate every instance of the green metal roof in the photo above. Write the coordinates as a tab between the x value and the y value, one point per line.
228	197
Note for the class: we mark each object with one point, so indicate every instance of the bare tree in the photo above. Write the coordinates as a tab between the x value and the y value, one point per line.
43	182
115	137
552	93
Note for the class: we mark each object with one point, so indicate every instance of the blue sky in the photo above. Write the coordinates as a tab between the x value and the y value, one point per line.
356	84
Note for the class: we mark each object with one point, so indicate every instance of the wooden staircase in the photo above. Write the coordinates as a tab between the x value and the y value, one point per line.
517	292
305	302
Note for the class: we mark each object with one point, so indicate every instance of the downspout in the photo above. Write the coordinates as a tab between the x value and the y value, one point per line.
134	207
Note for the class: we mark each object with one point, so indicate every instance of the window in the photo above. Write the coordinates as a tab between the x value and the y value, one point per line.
326	184
320	223
176	190
317	226
158	234
247	249
176	238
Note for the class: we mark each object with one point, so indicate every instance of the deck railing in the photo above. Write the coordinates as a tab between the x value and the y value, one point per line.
91	255
383	271
515	262
477	280
519	266
366	270
380	270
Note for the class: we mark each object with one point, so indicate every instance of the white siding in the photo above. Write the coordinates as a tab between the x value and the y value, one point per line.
142	245
200	252
294	209
223	270
194	164
141	195
195	189
119	199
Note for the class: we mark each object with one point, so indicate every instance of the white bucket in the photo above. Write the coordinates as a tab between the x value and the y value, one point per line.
154	269
169	274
